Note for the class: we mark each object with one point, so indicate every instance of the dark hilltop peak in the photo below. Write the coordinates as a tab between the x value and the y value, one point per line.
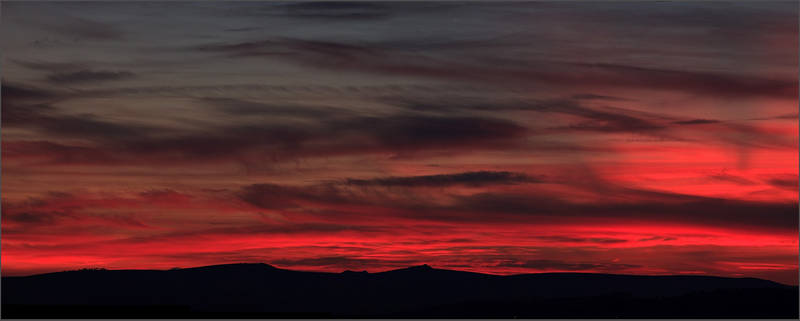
354	272
415	269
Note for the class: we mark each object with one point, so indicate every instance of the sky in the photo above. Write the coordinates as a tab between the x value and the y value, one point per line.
634	138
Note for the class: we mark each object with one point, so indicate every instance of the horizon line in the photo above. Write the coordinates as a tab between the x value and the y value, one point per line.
424	265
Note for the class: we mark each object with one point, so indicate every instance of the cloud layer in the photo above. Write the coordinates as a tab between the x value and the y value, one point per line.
649	138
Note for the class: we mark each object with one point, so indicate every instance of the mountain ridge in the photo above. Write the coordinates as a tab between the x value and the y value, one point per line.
414	268
260	290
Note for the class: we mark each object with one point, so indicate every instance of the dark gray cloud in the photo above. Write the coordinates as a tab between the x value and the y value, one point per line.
88	126
35	217
355	11
732	178
696	122
791	184
22	102
296	228
424	132
339	136
338	10
479	178
272	196
88	76
714	21
574	239
50	66
29	107
35	213
331	132
240	107
56	153
462	103
682	208
82	28
242	29
787	116
629	205
604	119
130	143
155	194
708	83
613	123
598	97
596	119
376	59
658	238
13	93
48	119
748	136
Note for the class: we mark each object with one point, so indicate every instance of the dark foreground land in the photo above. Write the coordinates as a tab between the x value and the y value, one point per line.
263	291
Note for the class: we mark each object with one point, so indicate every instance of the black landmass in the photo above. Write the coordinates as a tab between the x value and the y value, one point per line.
263	291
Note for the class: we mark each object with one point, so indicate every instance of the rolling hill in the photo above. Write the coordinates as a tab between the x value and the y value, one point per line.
264	291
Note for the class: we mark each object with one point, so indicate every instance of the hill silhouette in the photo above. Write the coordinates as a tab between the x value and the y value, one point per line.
264	291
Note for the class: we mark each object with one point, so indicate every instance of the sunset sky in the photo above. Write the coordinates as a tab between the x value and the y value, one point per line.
635	138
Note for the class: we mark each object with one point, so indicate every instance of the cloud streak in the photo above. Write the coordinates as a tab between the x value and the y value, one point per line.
88	76
377	59
476	179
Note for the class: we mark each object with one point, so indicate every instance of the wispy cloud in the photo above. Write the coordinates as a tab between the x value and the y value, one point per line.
469	179
88	76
